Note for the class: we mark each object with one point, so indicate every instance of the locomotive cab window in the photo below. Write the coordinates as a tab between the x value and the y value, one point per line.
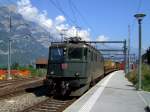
56	54
75	53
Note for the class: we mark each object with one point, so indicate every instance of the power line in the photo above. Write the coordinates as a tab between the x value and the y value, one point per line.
58	6
80	14
137	11
139	6
72	10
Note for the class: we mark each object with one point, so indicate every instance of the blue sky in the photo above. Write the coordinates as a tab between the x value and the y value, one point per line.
108	18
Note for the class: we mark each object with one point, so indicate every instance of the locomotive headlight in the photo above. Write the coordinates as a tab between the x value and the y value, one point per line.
84	46
77	74
65	50
52	72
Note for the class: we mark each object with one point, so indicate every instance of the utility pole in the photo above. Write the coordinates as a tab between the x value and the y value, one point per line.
125	57
9	76
9	49
128	48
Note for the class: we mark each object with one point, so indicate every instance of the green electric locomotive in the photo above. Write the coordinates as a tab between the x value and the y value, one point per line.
72	67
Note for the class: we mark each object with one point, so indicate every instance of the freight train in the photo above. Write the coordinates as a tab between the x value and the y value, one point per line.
110	66
72	67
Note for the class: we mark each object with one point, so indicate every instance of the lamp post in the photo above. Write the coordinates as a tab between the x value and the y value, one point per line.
139	17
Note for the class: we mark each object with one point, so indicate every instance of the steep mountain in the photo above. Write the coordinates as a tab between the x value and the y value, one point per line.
23	50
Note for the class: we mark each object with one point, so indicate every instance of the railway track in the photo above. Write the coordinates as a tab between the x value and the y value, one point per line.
12	86
50	105
16	80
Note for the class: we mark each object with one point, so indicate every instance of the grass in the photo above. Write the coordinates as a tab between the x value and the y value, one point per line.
34	72
132	76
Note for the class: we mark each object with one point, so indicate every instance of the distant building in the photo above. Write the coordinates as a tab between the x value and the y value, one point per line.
41	63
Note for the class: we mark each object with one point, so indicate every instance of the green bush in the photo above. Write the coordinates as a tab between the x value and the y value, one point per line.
34	72
146	77
132	76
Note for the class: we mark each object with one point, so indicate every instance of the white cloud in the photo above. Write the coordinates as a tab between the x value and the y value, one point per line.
44	41
5	23
60	19
72	31
62	27
3	52
12	7
102	38
19	27
1	41
31	13
84	34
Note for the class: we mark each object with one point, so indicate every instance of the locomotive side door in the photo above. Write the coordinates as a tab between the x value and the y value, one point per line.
89	65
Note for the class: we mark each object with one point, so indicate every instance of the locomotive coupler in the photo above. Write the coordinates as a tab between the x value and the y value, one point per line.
65	87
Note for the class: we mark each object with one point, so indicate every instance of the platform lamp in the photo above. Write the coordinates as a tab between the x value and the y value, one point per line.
139	18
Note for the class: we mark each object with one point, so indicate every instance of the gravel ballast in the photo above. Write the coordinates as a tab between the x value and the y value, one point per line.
21	102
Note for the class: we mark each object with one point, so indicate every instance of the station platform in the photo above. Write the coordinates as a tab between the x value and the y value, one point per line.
114	93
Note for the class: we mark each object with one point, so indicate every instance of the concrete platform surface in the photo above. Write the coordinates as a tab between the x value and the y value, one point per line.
112	94
146	97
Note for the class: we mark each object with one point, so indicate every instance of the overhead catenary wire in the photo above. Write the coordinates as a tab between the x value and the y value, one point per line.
80	15
138	9
73	11
58	6
139	6
73	20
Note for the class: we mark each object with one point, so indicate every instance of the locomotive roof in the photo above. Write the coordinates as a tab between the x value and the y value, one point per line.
63	44
73	44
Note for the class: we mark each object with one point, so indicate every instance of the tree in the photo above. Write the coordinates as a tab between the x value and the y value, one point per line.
148	55
15	65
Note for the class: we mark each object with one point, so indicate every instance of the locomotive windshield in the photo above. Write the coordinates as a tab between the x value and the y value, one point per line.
75	53
56	54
